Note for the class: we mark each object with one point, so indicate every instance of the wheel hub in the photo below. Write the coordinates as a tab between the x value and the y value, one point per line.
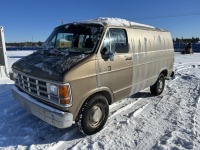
95	116
160	84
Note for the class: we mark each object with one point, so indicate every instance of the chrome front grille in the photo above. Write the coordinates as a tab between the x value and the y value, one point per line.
35	87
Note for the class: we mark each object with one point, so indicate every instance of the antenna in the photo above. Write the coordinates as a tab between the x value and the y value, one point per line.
31	31
62	21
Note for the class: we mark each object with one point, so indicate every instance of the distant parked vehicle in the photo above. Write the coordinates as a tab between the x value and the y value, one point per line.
187	49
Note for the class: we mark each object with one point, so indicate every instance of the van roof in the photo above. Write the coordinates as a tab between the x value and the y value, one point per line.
117	22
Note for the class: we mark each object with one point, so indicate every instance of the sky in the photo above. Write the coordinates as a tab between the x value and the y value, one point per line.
34	20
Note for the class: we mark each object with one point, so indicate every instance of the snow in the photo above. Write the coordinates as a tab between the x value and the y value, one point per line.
142	121
120	22
13	56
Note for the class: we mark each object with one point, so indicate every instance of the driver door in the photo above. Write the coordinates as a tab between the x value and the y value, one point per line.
116	71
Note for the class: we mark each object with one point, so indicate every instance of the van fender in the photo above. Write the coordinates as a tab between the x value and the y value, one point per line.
163	71
89	94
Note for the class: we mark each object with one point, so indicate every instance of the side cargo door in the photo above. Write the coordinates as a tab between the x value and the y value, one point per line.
116	72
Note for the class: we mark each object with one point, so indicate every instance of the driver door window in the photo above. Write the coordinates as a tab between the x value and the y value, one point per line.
116	41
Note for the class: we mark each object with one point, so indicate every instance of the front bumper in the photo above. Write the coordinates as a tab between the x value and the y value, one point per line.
55	117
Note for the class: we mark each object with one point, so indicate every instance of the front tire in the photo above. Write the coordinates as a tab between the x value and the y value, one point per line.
93	115
158	87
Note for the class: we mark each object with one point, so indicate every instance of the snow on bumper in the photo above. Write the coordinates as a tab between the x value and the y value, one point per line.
49	114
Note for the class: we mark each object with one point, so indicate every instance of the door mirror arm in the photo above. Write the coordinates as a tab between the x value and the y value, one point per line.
111	55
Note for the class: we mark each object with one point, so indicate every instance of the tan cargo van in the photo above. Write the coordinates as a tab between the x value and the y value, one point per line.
86	66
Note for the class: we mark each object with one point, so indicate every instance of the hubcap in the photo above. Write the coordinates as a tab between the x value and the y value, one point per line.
95	116
160	86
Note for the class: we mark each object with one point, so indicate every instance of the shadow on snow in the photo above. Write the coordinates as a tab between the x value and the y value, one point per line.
19	127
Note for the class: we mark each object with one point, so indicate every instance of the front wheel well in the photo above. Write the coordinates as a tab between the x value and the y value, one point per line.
93	114
104	93
107	95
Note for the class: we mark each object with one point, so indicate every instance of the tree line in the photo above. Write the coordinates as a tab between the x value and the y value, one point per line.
39	43
186	40
24	44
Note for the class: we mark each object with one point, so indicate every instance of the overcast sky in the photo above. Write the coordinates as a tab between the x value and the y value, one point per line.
24	20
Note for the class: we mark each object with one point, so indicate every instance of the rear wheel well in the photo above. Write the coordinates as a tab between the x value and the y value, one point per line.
158	87
164	72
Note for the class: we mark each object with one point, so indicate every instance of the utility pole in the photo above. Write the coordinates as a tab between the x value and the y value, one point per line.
4	71
31	32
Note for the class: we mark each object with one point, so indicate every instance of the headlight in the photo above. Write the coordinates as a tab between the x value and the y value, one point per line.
63	92
53	89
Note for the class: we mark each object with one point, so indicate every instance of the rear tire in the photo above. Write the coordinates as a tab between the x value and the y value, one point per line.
158	87
93	115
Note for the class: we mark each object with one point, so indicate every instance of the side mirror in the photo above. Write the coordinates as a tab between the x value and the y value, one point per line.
106	54
104	51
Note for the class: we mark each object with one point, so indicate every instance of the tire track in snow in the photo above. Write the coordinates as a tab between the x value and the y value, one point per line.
132	122
161	121
147	128
182	135
116	109
120	109
169	121
153	123
197	126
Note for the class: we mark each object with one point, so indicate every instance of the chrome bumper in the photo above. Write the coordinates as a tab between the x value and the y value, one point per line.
55	117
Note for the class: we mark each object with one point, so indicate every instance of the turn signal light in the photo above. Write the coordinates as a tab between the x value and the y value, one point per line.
64	94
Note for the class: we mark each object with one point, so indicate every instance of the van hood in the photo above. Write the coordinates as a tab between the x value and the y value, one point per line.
48	64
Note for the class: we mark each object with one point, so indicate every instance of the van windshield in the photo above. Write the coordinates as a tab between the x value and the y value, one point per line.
81	38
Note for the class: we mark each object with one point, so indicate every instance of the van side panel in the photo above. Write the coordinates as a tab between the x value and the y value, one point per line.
116	74
152	53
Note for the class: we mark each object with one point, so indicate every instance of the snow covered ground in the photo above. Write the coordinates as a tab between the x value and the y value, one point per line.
168	121
15	55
